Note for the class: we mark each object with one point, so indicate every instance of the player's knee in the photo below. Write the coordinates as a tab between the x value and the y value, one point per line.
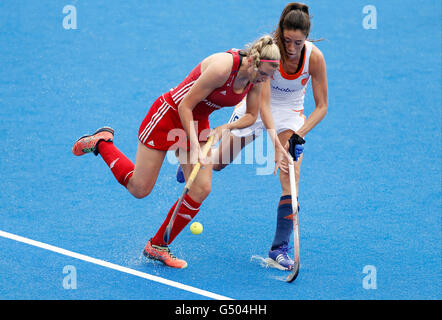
205	189
140	193
201	191
140	190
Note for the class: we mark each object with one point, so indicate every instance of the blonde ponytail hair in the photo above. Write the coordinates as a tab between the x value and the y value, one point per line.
264	48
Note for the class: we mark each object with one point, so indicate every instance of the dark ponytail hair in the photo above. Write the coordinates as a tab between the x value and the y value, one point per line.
295	16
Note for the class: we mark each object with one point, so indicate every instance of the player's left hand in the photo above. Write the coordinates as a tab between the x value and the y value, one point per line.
296	146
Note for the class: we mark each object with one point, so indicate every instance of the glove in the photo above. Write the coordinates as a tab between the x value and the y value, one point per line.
296	146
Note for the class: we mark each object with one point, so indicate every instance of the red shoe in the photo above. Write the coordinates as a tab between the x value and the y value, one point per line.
88	143
164	255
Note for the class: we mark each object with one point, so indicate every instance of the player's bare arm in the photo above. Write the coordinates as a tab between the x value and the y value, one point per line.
320	91
214	73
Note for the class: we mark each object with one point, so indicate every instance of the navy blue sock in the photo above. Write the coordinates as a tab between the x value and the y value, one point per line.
284	222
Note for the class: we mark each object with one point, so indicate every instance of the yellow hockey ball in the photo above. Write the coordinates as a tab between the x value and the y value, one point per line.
196	228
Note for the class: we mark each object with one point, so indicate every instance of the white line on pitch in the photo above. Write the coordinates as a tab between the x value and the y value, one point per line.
112	266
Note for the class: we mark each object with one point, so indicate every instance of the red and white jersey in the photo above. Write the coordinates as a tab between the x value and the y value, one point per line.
220	97
157	129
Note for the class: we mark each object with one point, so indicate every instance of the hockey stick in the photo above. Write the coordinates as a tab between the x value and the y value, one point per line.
189	182
292	276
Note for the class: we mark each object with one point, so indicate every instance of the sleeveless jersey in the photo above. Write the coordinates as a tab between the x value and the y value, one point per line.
220	97
288	91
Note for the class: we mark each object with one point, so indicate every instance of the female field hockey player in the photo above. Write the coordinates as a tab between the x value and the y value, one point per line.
301	61
220	80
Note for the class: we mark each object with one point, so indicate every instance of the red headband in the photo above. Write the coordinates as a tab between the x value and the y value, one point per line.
275	61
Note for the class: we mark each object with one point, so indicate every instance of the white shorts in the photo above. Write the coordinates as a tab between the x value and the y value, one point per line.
284	120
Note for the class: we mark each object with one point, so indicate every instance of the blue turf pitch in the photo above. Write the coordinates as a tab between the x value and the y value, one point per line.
371	177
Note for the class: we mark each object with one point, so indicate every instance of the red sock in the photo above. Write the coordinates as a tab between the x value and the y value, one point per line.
189	208
120	165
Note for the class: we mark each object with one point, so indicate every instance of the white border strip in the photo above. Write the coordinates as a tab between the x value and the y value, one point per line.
112	266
